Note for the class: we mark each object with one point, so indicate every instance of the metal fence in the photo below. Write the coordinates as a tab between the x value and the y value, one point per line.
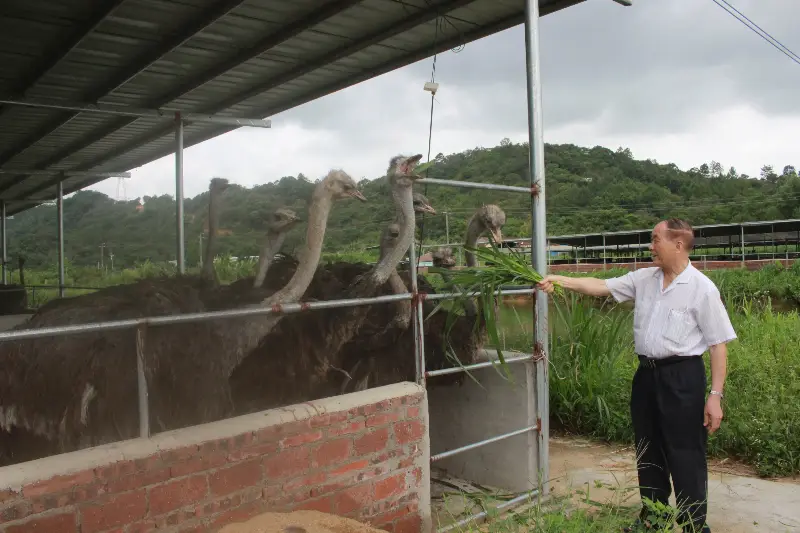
537	427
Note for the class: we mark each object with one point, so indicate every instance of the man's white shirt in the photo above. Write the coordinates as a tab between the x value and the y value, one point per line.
684	319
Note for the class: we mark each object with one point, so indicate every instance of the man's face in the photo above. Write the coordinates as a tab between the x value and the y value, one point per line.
662	249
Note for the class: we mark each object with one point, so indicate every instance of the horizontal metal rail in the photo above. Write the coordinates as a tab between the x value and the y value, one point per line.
452	295
483	514
286	308
65	173
471	185
476	366
124	111
479	444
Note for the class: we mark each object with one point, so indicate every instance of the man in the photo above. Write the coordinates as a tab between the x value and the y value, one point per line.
678	316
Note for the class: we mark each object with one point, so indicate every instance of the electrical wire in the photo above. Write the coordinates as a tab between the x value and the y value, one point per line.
755	28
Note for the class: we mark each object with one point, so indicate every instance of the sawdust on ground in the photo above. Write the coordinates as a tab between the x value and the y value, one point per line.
299	522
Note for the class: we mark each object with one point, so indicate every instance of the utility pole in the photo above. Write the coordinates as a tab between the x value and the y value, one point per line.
102	256
200	238
111	256
447	226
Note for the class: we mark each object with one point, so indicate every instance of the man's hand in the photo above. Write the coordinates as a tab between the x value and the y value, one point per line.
713	413
548	283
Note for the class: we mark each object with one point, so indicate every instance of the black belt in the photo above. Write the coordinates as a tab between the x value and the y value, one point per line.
652	362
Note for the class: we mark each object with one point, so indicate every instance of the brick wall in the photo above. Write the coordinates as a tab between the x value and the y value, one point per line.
363	455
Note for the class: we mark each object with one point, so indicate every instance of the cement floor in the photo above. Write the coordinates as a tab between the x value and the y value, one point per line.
739	502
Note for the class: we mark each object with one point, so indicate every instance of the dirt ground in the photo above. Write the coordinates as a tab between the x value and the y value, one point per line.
739	502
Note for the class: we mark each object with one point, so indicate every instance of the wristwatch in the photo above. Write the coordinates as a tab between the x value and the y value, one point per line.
718	393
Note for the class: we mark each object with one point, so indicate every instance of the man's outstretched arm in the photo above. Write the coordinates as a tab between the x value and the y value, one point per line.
589	286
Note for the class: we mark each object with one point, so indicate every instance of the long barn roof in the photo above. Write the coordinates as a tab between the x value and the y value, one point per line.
233	58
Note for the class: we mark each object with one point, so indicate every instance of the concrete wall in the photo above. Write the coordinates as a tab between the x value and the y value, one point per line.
363	455
461	415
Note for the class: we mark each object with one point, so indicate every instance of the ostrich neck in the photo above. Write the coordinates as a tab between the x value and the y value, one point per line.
402	197
272	246
474	230
209	273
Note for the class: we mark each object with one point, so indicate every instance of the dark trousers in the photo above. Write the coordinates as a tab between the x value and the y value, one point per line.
667	406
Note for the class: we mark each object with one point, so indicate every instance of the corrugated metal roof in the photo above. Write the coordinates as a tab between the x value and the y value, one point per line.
245	58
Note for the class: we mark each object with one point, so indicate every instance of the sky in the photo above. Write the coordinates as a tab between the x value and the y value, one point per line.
678	81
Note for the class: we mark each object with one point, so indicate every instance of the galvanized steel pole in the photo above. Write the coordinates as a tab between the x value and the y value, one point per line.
741	227
181	260
3	239
60	210
419	329
538	408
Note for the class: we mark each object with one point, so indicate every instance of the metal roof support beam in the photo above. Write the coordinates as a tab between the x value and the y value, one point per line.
192	28
180	250
315	17
60	215
441	46
66	173
136	112
60	50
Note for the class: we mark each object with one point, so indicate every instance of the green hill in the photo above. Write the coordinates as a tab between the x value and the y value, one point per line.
588	189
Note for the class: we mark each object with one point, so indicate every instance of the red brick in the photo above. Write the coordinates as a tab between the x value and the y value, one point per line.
332	452
412	412
237	477
142	527
382	419
291	462
409	431
344	469
135	481
148	463
166	498
116	511
58	484
15	511
88	492
253	450
302	438
347	429
179	454
409	524
323	505
319	421
352	500
198	464
372	442
49	502
280	431
390	516
391	486
115	470
61	523
240	514
305	481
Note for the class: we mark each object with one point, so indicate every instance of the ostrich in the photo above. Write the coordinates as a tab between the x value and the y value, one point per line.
91	390
393	361
215	189
293	361
280	222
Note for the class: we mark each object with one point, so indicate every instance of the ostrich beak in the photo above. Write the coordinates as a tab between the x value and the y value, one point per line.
497	236
426	208
357	194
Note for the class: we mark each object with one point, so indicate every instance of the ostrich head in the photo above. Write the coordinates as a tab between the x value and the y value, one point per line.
443	257
218	185
282	220
492	218
339	185
389	237
401	169
422	205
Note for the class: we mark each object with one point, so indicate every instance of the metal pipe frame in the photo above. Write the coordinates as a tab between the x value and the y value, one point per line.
468	447
477	366
60	215
538	395
180	245
3	241
471	185
478	517
66	173
137	112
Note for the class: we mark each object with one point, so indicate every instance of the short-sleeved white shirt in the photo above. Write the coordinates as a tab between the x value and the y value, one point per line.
684	319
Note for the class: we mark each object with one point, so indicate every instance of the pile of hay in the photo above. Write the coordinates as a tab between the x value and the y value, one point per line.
299	522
